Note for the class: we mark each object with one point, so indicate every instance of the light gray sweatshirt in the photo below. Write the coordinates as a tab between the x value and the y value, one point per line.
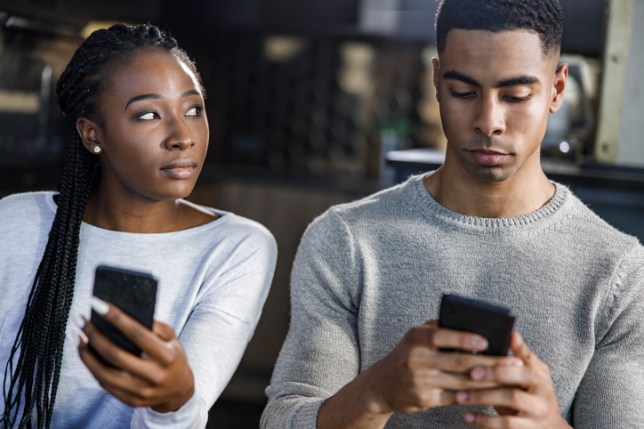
213	281
367	271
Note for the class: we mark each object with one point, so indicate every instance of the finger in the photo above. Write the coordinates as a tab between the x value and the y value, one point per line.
512	374
520	349
142	397
497	422
110	352
453	382
415	400
450	339
464	363
148	368
509	398
114	379
164	331
128	326
422	357
106	376
88	357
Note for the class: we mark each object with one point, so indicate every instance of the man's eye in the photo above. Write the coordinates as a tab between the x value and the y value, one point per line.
515	99
465	95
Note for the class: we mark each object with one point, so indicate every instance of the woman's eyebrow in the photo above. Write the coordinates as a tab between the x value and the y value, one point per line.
142	97
157	97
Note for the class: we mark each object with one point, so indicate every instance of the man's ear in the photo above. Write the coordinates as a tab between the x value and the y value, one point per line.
559	87
436	76
90	135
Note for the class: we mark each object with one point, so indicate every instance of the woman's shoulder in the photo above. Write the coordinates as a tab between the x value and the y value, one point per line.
28	204
248	230
235	227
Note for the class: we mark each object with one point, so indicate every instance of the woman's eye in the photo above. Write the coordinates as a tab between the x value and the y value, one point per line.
148	116
194	111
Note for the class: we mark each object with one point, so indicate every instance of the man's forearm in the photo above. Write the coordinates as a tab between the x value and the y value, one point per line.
355	406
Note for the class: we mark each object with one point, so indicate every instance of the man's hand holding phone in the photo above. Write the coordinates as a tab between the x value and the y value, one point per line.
524	395
436	366
415	376
151	371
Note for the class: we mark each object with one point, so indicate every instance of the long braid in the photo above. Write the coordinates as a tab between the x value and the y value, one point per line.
34	365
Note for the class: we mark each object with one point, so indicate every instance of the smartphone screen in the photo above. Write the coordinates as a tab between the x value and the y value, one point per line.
493	322
131	291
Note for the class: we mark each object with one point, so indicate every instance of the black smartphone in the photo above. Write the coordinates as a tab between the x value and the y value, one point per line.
491	321
133	292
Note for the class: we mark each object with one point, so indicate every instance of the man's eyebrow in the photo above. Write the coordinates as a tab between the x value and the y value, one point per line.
518	80
454	75
157	96
513	81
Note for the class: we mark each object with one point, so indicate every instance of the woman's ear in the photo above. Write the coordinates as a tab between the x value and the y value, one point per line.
558	87
89	133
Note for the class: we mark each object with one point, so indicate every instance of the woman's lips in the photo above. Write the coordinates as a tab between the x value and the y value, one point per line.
488	158
180	169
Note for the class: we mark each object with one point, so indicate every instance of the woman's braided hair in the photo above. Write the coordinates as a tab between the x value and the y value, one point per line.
35	362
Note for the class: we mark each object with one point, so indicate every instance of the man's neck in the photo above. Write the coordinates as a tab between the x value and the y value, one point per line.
513	197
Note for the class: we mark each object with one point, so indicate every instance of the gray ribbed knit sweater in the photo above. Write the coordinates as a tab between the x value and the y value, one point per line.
368	271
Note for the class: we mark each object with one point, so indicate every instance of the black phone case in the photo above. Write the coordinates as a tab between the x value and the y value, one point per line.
131	291
493	322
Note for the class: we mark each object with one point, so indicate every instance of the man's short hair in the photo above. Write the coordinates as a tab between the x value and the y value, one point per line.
544	17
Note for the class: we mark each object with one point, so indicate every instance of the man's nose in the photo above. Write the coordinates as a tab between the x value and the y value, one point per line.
490	117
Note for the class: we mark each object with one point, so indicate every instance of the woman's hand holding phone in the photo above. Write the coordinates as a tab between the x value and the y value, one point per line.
160	378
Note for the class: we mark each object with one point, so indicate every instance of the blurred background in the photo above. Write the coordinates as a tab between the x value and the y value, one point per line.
314	103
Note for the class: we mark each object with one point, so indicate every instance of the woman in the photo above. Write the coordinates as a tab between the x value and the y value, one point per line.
138	138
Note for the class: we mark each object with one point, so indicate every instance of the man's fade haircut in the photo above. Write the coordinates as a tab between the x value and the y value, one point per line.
544	17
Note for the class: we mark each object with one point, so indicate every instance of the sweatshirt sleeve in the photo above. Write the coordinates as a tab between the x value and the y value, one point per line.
611	394
320	353
219	328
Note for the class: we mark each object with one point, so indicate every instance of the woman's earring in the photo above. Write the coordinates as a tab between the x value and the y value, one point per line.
97	149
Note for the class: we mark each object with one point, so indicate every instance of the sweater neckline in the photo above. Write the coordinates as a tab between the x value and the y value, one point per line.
222	217
432	208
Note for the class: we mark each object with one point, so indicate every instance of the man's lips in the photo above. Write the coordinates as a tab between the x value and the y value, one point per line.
487	157
180	169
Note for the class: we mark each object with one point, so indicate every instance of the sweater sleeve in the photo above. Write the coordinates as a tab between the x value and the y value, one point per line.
320	353
219	328
611	394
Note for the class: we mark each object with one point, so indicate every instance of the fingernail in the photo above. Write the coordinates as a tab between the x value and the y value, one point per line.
469	418
82	337
77	336
462	396
515	362
478	373
100	306
78	321
479	343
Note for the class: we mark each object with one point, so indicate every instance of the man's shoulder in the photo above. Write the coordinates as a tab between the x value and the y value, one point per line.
392	201
589	225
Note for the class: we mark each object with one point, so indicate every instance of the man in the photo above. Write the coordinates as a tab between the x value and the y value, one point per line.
488	224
